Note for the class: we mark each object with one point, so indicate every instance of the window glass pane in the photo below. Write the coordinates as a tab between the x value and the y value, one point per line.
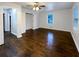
75	18
75	12
50	18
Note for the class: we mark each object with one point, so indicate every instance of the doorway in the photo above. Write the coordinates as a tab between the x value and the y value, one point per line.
10	23
4	22
7	20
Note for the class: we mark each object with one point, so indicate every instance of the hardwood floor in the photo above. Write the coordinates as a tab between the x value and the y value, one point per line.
40	42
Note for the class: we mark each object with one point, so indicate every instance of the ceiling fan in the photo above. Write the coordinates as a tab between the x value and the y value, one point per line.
37	6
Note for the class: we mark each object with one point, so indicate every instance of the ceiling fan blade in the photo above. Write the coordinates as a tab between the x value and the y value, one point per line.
39	8
42	6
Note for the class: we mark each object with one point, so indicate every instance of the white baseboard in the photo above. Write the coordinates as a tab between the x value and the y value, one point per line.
19	36
24	31
14	33
56	29
74	38
35	28
2	42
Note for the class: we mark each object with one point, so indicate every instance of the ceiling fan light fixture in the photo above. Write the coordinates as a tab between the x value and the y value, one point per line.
34	8
37	8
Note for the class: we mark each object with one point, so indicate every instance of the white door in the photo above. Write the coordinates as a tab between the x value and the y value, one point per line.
1	28
29	21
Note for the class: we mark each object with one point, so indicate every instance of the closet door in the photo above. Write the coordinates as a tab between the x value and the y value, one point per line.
29	21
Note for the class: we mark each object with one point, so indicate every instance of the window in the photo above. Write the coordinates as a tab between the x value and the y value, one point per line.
50	19
75	18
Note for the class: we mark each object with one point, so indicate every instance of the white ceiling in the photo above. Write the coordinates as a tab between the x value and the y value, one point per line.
49	5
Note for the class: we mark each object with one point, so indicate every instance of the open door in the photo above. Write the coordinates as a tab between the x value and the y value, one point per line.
10	23
4	21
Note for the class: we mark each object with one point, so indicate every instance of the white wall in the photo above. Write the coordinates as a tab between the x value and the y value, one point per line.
13	22
24	22
1	27
62	20
75	33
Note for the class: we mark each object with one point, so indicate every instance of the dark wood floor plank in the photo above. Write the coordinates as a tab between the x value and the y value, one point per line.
40	42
